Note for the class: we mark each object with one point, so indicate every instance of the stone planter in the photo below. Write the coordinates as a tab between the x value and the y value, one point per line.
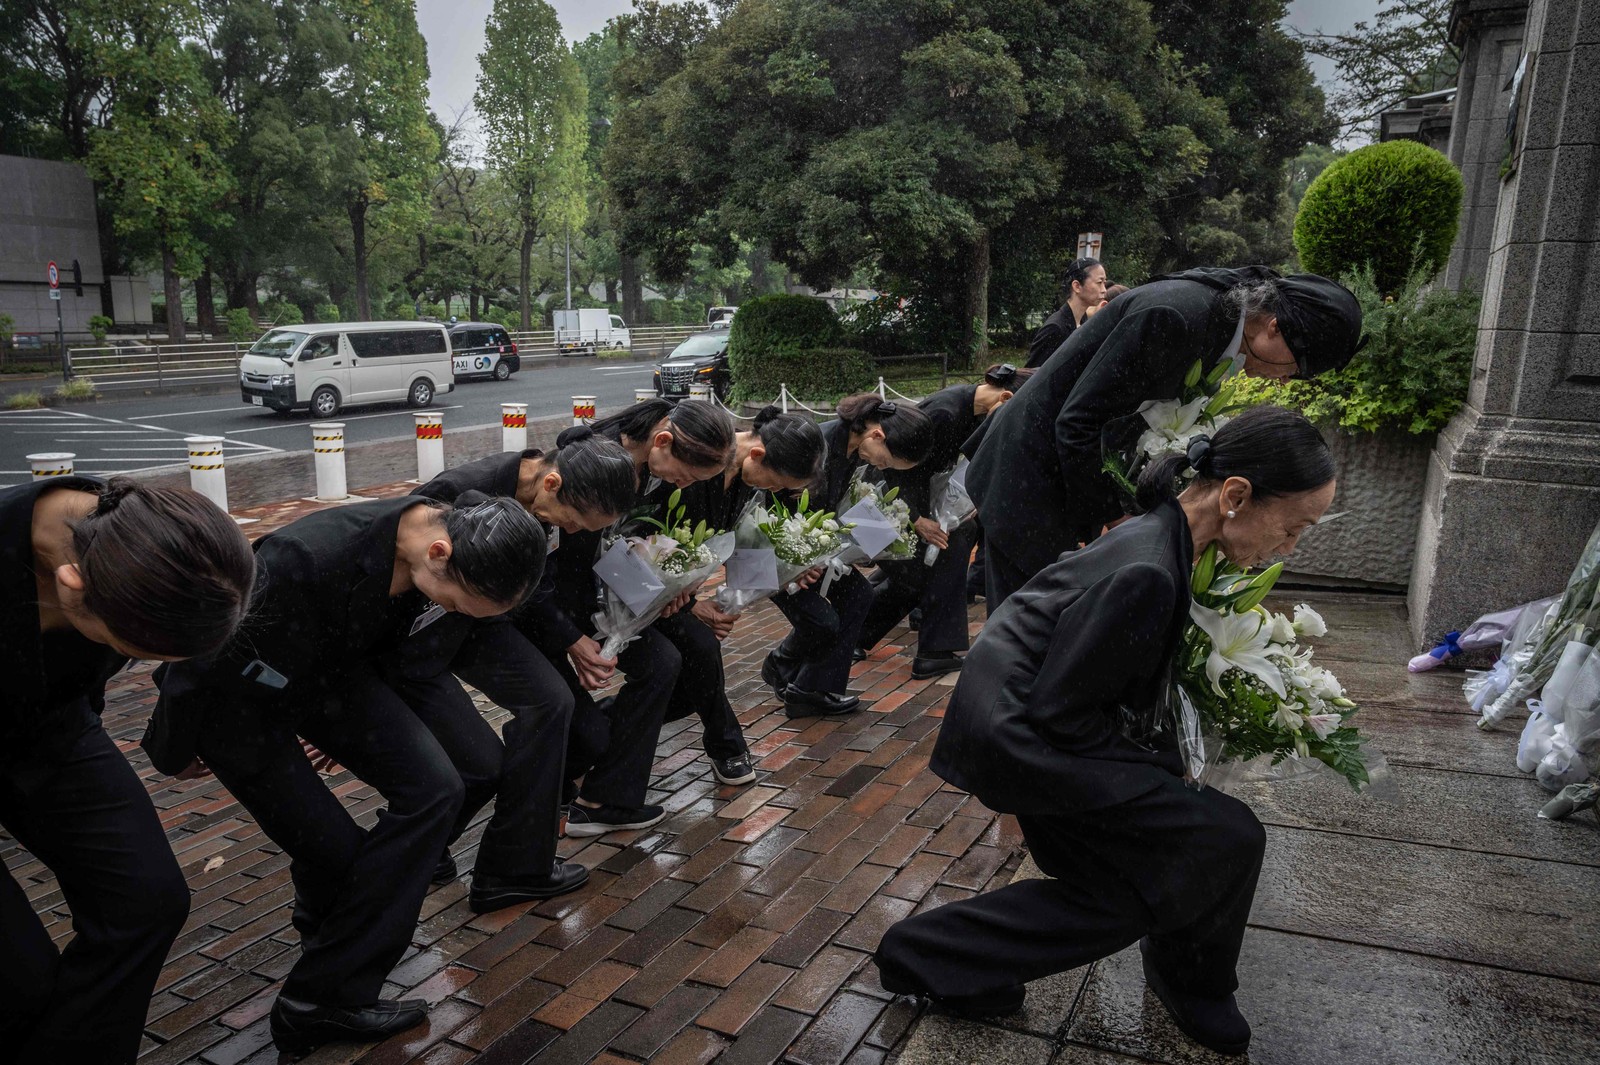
1381	487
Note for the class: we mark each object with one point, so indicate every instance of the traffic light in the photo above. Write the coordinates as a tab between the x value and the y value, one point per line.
77	278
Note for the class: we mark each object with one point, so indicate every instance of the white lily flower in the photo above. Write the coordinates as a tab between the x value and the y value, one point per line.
1283	630
1323	724
1287	717
1238	641
1308	622
1172	425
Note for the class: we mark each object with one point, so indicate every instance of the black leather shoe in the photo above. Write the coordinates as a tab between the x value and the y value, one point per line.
914	620
445	872
1001	1003
298	1027
798	703
858	655
490	893
772	674
935	665
1214	1023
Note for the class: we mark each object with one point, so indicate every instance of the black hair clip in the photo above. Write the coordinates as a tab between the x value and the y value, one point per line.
1001	374
887	408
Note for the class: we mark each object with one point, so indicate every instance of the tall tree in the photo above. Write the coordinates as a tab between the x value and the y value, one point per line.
1405	50
534	103
159	159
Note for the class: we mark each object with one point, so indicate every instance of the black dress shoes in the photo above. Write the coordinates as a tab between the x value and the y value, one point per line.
1001	1003
1214	1023
772	674
298	1027
445	872
490	893
798	703
935	665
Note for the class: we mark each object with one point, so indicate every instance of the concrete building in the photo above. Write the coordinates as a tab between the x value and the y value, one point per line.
1425	119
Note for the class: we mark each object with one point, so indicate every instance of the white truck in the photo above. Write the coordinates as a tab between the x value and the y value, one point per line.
587	330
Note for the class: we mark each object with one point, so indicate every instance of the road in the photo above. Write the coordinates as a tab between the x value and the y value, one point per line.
144	433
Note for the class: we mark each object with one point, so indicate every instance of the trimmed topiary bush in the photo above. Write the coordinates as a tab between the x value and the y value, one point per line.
1394	206
773	329
811	374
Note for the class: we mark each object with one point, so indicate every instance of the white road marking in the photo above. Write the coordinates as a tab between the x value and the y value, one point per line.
186	413
338	417
619	373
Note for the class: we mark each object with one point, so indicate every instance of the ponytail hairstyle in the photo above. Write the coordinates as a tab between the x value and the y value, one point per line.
1078	273
702	433
597	475
907	432
164	569
1005	376
1277	450
793	443
497	549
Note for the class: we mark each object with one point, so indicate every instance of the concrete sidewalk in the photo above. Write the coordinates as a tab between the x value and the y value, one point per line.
1452	926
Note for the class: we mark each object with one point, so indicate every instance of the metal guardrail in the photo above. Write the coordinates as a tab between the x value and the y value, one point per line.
139	365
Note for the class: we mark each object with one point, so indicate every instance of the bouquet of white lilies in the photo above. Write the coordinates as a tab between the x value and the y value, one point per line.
797	540
1251	703
863	493
1203	406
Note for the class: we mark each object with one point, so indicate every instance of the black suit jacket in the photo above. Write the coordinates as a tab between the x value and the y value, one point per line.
1035	725
321	613
1055	331
828	490
55	683
950	411
1037	474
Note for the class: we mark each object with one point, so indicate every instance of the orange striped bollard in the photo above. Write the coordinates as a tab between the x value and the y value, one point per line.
430	445
582	410
513	427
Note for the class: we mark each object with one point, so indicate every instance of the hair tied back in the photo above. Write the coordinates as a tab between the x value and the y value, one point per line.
578	434
1199	452
112	495
887	408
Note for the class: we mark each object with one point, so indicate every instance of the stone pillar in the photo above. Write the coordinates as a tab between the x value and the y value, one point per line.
1489	34
1513	487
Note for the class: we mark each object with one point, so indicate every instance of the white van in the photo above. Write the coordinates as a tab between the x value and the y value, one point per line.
590	329
328	367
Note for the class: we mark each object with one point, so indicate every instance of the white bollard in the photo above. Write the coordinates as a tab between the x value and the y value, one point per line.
643	395
327	442
783	397
883	389
582	410
430	444
51	464
206	474
700	392
514	427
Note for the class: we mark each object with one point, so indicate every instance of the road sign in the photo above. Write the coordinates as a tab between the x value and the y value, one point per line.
55	293
1089	245
53	274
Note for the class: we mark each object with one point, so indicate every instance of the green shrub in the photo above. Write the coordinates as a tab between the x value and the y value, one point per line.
241	327
770	327
811	374
79	388
7	324
326	312
1394	206
99	326
24	401
1413	372
282	312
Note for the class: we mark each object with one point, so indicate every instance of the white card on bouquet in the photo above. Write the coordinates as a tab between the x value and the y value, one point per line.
630	576
873	532
753	569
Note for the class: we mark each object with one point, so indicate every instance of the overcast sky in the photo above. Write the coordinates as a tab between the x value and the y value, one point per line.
454	29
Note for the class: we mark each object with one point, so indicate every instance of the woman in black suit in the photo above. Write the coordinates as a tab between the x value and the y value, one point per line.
1037	727
811	667
583	487
940	589
94	575
1086	288
1037	476
346	594
612	743
779	453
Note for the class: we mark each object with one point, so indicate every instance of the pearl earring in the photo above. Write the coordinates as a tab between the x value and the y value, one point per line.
1233	513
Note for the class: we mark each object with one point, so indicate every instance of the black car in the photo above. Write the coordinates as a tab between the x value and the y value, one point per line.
700	360
483	349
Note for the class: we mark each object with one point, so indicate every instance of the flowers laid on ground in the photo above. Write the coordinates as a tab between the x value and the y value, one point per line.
1248	692
1203	406
797	541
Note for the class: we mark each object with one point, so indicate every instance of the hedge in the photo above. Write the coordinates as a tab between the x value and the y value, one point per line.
1394	206
766	335
810	374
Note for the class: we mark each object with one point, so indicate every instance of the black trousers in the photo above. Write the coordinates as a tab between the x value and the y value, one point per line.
91	822
940	590
702	685
521	838
815	656
1003	575
612	741
1176	865
358	891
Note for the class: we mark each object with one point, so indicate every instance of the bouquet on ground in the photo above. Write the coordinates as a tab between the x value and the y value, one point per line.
1251	705
641	575
951	506
1573	620
773	547
1166	426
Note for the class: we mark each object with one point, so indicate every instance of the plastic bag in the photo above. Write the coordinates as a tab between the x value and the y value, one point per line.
1483	687
952	506
813	546
617	623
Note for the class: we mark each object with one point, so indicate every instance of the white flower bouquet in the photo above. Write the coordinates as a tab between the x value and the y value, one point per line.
951	505
641	575
799	540
863	493
1203	406
1251	704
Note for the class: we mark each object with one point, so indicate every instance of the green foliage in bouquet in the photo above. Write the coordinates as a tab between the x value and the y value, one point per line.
800	535
1174	422
690	539
1413	373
